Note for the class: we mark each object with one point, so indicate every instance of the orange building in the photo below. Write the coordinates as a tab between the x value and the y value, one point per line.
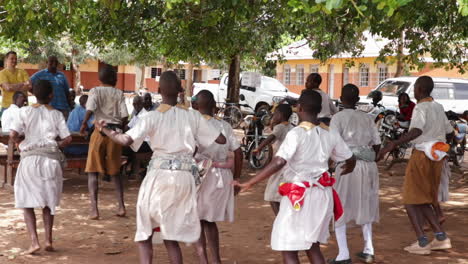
366	72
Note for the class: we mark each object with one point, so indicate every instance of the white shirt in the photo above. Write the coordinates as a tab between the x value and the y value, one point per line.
107	103
9	116
137	117
280	131
328	108
176	131
218	152
356	128
307	152
430	118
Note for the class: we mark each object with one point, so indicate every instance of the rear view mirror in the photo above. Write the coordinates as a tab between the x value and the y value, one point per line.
241	97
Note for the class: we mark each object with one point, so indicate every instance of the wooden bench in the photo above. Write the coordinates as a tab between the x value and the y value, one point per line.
9	162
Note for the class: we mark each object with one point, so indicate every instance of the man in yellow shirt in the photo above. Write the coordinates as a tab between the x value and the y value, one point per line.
12	80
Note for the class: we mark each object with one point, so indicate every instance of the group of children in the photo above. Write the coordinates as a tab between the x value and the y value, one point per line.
174	206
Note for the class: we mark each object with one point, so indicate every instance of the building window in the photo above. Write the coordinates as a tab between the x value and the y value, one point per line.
287	74
180	73
364	75
155	72
345	75
300	74
383	72
314	68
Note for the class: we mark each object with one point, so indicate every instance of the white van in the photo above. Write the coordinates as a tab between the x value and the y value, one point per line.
450	92
258	93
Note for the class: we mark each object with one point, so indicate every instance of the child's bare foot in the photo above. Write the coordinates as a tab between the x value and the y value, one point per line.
122	212
33	249
49	247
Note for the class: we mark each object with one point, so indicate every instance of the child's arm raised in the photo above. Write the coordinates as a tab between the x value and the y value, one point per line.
273	167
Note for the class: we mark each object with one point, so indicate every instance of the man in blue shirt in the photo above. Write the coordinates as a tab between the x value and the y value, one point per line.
74	123
59	83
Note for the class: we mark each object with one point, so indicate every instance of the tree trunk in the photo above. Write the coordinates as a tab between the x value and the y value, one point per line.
234	80
76	72
140	78
400	65
188	84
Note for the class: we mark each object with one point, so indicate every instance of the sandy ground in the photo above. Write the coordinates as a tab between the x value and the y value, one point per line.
247	240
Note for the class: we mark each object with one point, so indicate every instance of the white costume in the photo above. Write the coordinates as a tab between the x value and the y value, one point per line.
359	190
39	179
307	149
271	191
443	195
328	108
167	198
9	116
215	197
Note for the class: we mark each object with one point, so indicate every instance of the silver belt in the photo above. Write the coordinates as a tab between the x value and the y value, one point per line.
176	163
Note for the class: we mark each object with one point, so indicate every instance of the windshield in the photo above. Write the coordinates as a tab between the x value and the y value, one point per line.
272	85
393	88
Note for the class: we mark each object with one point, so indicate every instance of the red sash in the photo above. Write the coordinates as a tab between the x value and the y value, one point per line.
296	193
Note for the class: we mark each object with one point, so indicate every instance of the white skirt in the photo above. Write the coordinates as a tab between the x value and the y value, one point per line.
38	183
444	182
359	193
215	197
271	189
298	230
167	200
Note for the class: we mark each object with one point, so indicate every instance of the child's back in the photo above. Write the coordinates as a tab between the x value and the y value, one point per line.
355	127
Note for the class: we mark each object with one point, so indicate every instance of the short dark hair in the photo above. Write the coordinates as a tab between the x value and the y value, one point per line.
403	95
170	83
10	53
426	83
285	110
311	101
42	89
108	75
83	99
350	91
208	96
16	95
314	78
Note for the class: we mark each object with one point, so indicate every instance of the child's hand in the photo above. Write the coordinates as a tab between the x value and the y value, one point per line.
242	186
100	124
389	147
83	128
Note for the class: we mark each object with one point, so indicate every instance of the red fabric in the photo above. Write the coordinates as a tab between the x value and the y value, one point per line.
296	193
157	229
407	112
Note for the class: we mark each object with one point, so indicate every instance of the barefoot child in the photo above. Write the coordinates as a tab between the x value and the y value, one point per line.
307	206
215	196
358	191
106	103
429	125
167	201
39	179
281	127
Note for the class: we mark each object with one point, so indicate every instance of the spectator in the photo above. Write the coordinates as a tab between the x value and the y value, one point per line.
74	124
59	83
148	102
71	99
12	80
12	112
406	107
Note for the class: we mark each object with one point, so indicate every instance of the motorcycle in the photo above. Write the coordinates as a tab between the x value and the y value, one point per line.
391	129
458	143
253	126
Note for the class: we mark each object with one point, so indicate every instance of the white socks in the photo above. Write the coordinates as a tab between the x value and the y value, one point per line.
343	251
367	235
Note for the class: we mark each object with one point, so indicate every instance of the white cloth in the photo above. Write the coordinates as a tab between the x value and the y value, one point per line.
39	181
137	117
444	182
426	147
307	153
430	118
271	190
215	196
328	108
107	103
167	199
359	190
9	116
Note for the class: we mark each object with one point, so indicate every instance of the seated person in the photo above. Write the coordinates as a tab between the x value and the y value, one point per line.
148	102
12	112
406	107
74	123
138	112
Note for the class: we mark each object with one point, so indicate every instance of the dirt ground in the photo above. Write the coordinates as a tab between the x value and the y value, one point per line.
247	240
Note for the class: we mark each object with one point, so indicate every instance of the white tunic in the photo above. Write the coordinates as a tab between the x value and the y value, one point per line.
328	108
39	181
271	191
359	190
215	195
307	153
167	199
9	116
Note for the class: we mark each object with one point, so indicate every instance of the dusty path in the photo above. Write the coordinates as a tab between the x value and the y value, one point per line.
110	240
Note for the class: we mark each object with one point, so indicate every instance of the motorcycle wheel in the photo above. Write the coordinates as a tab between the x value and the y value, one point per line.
232	115
460	153
260	160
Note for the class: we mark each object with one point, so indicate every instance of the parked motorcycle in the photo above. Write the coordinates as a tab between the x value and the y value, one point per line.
253	126
391	129
458	143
